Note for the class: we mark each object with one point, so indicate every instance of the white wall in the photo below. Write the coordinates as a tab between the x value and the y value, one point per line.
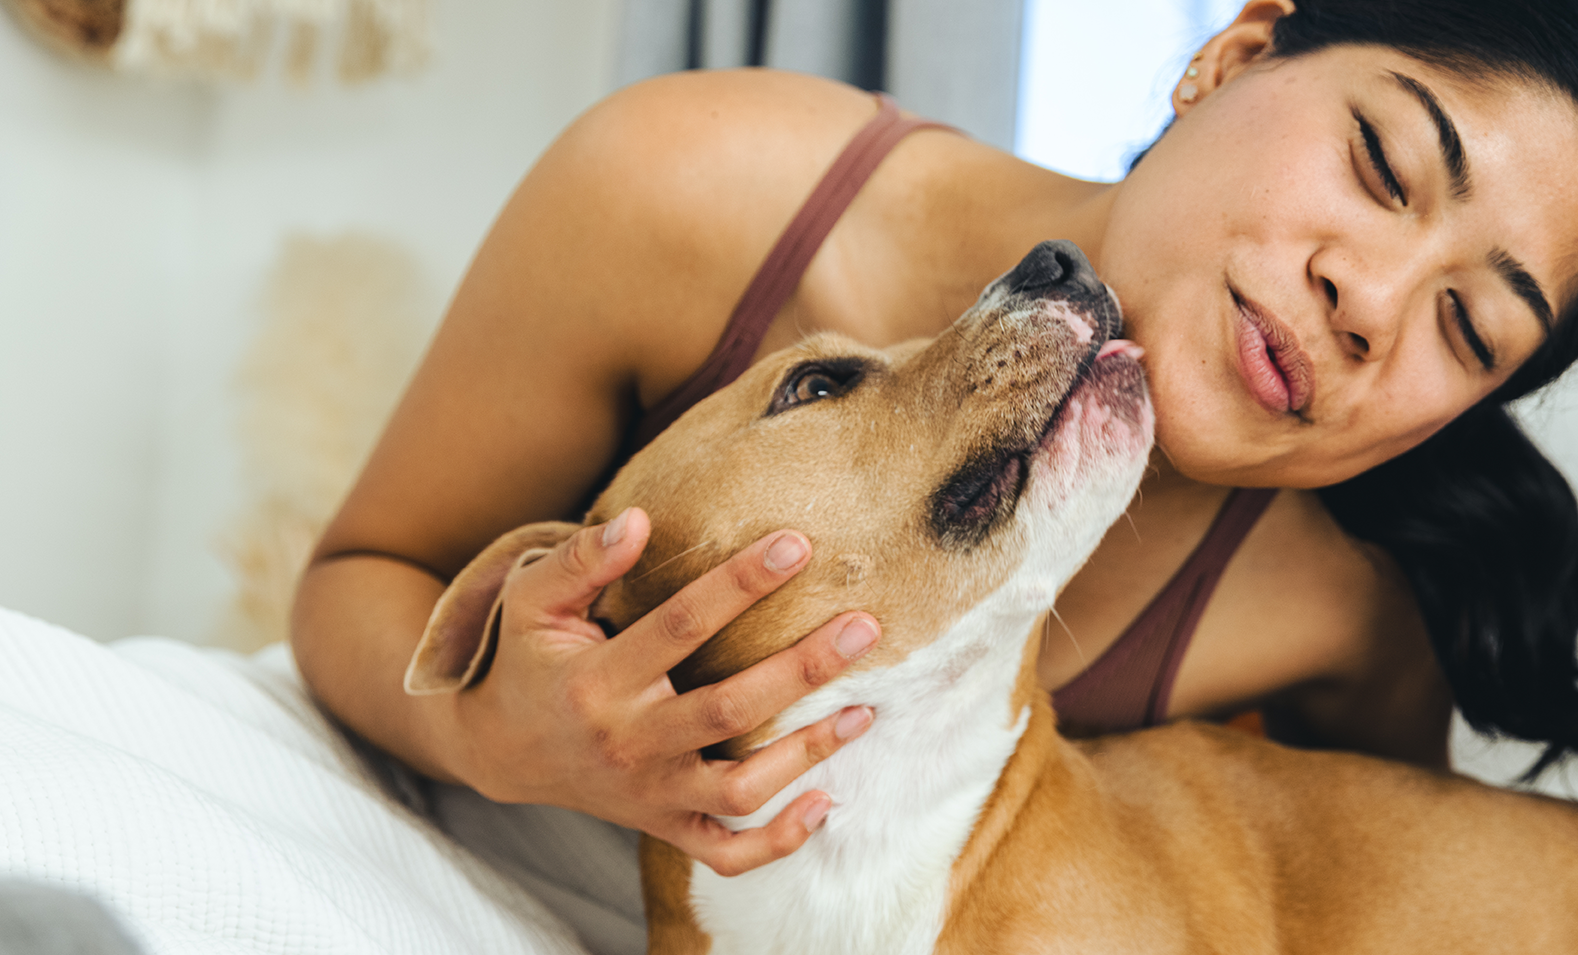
427	162
137	222
95	239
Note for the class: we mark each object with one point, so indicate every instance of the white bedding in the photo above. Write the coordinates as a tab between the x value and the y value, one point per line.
202	797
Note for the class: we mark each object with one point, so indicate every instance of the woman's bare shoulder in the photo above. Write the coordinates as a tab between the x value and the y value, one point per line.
604	282
715	151
761	118
689	178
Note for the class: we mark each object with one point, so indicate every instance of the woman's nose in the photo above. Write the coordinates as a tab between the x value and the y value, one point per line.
1352	343
1364	303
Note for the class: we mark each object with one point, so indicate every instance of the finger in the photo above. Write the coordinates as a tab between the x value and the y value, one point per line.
739	788
746	700
570	578
669	633
730	853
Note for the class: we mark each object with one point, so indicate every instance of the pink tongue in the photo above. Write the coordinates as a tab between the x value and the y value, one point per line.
1117	345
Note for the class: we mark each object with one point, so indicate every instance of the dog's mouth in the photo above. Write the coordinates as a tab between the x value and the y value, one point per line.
984	492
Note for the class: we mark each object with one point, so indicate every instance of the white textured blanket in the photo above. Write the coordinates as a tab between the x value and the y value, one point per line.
203	798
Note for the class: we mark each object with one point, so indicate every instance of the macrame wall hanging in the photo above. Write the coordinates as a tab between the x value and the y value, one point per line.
234	39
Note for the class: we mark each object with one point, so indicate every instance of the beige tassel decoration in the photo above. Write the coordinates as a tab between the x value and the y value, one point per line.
234	39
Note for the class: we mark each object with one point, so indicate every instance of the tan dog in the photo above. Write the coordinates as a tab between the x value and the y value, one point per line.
951	488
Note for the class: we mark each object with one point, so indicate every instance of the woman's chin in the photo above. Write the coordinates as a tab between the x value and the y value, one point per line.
1219	451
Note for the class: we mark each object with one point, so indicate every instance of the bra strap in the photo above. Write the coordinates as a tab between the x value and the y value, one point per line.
781	271
1233	523
1130	684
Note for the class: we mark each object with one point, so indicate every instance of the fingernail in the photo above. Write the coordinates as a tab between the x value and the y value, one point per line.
856	638
785	553
853	721
817	814
614	530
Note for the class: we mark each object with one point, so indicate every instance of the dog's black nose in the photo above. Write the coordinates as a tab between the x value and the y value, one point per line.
1055	267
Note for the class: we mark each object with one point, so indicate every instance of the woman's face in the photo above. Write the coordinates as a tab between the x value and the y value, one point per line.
1321	279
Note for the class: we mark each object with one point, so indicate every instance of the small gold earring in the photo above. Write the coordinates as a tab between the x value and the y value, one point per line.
1187	93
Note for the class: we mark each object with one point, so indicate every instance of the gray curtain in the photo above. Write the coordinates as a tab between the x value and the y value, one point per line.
949	60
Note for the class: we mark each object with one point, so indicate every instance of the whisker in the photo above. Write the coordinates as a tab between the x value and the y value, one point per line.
671	560
1071	639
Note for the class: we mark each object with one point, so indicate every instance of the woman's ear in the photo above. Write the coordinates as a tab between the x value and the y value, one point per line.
1228	53
461	635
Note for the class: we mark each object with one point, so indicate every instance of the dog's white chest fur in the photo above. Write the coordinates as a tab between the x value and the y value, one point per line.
906	795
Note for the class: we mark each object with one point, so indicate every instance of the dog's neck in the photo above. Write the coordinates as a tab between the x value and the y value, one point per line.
906	796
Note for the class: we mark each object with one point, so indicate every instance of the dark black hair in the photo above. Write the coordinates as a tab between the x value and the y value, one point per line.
1484	527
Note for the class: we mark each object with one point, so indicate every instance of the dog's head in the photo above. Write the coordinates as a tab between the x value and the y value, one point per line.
926	475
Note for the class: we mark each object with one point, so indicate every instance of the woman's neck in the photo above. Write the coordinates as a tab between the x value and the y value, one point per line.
1165	485
915	250
1039	204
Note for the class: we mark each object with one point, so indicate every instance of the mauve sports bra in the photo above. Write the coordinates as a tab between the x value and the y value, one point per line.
1130	684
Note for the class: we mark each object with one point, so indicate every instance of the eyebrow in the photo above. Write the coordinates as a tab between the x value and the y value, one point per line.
1524	285
1446	132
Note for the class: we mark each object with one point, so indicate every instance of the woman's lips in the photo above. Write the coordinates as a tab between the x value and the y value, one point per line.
1270	360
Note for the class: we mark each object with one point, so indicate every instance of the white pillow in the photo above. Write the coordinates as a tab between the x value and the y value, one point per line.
205	799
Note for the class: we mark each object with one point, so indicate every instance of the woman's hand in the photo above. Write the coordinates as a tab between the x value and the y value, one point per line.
571	718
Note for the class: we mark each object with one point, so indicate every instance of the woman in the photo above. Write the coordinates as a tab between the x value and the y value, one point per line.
1356	239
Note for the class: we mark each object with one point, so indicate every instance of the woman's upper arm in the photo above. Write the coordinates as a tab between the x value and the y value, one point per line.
604	282
1386	695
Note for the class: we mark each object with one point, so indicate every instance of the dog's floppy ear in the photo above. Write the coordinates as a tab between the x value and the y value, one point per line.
458	645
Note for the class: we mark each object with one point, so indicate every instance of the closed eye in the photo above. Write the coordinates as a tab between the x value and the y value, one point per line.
1377	157
816	380
1465	325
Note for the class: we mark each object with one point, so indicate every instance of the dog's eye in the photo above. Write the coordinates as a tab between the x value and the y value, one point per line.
814	385
813	381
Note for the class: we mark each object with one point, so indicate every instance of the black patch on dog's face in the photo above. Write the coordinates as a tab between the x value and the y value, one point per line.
979	496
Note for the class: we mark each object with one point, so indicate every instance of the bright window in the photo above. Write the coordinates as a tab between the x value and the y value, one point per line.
1096	78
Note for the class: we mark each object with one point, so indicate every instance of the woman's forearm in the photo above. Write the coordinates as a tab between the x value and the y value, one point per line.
570	718
356	621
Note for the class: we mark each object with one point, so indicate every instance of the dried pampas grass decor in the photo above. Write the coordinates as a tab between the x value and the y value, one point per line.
233	39
344	321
